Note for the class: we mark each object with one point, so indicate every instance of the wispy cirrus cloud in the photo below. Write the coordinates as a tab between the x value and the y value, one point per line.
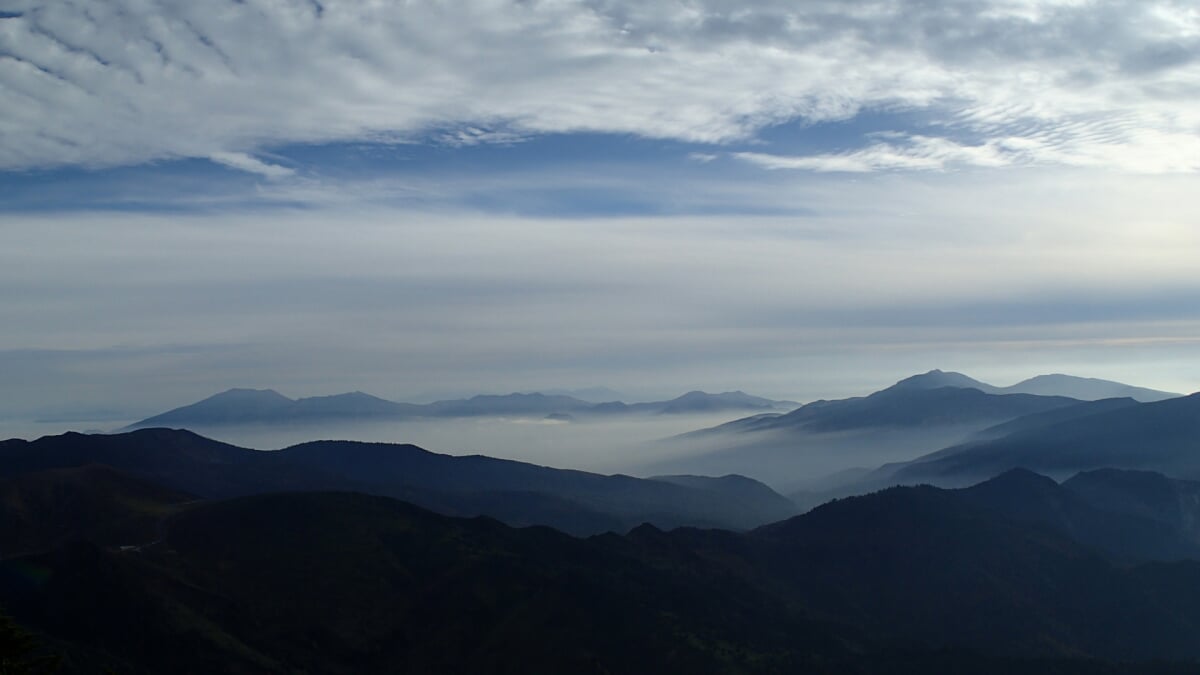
244	162
109	82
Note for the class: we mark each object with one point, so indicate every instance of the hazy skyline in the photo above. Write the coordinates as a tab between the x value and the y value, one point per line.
798	200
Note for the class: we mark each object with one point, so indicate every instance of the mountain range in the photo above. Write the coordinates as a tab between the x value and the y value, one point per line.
1162	436
1057	384
996	578
827	447
1062	535
266	406
515	492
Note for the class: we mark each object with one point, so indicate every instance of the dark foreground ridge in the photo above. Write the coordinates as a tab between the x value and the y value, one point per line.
908	580
517	493
1018	574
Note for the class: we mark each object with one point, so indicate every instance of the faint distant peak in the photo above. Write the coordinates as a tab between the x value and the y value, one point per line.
936	379
589	394
246	394
1087	388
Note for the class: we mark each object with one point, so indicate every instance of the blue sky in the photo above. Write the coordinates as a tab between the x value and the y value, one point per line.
799	200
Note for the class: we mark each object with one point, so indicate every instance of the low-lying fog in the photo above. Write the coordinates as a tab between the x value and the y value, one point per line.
636	445
614	445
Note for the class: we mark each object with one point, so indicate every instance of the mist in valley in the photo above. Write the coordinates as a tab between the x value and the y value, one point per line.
793	460
631	444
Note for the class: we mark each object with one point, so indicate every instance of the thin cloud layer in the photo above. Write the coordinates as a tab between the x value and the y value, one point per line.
892	274
1008	82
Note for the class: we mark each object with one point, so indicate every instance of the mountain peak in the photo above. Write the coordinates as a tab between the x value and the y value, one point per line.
936	379
1086	388
247	394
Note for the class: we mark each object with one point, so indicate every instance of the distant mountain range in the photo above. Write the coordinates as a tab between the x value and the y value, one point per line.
1018	574
266	406
1081	388
829	448
939	398
1163	436
515	492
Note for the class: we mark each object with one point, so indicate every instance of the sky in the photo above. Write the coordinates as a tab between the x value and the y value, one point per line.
426	200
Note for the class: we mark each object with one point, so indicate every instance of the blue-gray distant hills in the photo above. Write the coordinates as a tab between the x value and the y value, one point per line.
798	450
1162	436
112	567
1070	386
267	406
933	399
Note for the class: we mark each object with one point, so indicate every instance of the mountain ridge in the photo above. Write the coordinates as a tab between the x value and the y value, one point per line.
267	406
517	492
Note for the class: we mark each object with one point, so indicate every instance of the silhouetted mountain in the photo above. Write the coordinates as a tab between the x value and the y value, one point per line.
1044	419
252	406
792	451
911	407
744	491
1086	389
349	406
1115	529
381	468
936	379
510	404
1172	502
1163	436
229	407
517	492
699	401
43	509
909	580
1070	386
927	564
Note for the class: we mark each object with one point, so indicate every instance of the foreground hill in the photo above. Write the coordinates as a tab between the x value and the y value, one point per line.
516	492
43	509
910	580
1127	515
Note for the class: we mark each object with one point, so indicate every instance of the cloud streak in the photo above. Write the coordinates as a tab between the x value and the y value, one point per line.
889	274
109	82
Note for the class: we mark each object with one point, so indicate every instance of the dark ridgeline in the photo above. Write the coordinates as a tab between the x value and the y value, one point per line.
944	398
163	551
808	451
1163	436
515	492
907	580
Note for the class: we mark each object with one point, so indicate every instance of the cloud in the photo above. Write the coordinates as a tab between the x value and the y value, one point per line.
892	272
908	152
244	162
111	82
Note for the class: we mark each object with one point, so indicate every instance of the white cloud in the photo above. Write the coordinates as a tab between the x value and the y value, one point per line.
106	82
891	272
906	152
244	162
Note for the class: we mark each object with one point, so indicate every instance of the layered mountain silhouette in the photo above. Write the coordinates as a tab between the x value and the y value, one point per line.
931	399
516	492
43	509
1070	386
907	580
1125	514
1162	436
267	406
826	448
